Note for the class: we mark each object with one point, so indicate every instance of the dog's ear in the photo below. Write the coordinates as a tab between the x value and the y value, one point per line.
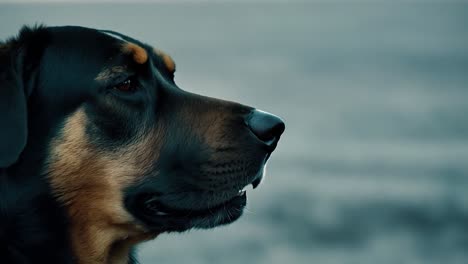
19	58
13	107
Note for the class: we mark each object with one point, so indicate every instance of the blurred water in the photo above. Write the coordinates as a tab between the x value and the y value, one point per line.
373	166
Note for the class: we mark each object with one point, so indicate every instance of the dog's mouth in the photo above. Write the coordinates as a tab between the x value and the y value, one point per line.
160	217
153	207
180	207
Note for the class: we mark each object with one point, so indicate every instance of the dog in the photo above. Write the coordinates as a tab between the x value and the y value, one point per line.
100	150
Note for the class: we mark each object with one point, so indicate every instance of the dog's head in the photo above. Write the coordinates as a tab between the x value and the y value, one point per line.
125	150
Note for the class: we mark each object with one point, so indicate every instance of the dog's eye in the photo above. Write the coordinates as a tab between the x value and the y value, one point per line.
126	86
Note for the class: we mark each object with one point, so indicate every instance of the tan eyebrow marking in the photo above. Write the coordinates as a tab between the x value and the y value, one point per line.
139	54
168	61
109	73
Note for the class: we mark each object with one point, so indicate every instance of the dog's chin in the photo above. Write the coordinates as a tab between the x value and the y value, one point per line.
157	217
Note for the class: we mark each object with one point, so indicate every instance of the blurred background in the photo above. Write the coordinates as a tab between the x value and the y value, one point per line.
373	166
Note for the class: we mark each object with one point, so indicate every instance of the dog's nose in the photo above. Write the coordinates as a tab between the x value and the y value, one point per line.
267	127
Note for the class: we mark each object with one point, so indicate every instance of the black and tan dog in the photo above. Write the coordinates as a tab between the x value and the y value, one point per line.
101	150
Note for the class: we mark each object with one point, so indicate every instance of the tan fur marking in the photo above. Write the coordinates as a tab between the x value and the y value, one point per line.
139	54
209	124
89	183
121	248
109	73
168	61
